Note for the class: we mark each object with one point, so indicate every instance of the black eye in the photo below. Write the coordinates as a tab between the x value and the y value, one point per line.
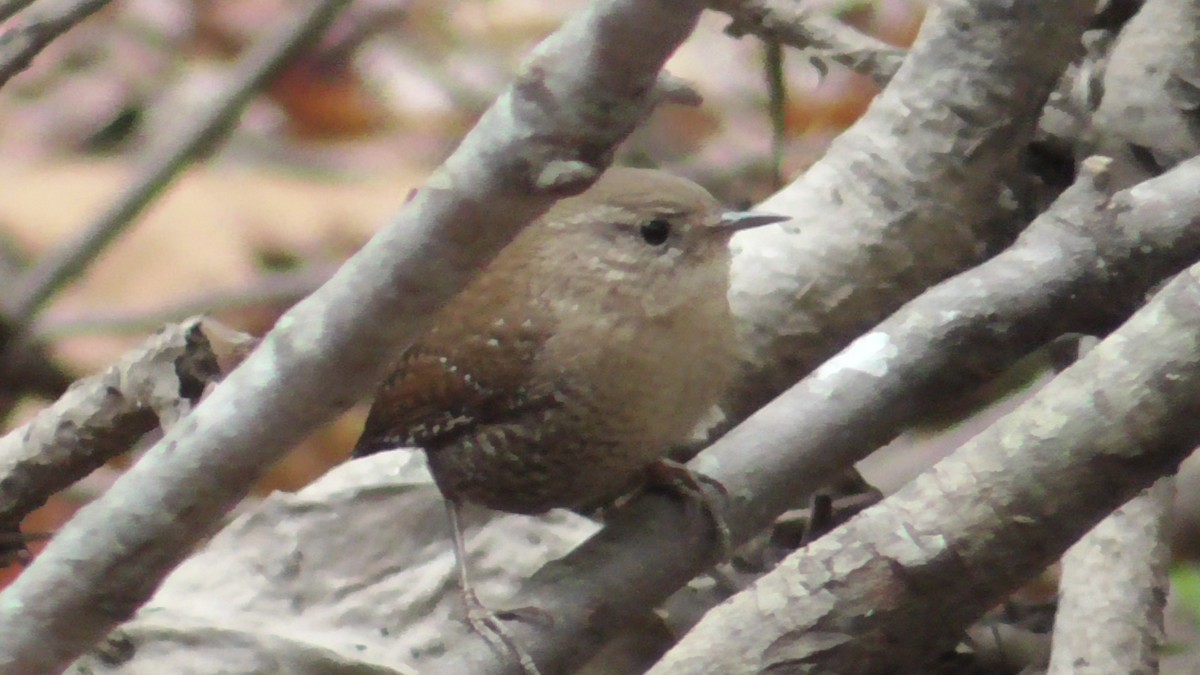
656	231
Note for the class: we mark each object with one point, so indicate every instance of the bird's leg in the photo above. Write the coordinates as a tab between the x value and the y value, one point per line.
480	618
691	485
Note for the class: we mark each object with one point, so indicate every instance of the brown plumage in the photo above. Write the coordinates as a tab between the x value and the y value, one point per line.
592	343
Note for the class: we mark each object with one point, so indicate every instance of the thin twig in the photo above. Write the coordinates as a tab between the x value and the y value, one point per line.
777	107
47	21
254	71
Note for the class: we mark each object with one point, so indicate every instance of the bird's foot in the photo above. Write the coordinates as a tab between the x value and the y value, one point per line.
490	626
698	489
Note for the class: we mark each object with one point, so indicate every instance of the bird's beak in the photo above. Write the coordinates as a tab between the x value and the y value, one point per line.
736	221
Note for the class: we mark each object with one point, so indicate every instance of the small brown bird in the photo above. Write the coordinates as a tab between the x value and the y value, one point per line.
591	345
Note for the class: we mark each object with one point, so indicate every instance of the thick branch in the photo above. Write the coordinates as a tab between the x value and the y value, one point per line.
549	134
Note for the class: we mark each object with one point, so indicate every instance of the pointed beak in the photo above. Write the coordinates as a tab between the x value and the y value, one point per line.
736	221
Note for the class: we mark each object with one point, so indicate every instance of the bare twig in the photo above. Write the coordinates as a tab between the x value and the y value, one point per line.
104	415
50	19
820	36
776	107
550	134
256	69
961	537
1113	591
10	8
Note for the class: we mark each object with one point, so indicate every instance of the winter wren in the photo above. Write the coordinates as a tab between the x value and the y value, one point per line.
590	345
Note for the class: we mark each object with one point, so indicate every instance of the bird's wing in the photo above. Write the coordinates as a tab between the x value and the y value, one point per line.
426	398
437	393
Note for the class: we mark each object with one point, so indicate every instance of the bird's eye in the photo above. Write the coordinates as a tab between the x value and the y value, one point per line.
656	231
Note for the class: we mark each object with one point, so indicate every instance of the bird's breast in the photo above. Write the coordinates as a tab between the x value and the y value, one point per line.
613	394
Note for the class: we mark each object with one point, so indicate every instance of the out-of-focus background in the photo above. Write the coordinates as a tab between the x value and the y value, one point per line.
327	154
